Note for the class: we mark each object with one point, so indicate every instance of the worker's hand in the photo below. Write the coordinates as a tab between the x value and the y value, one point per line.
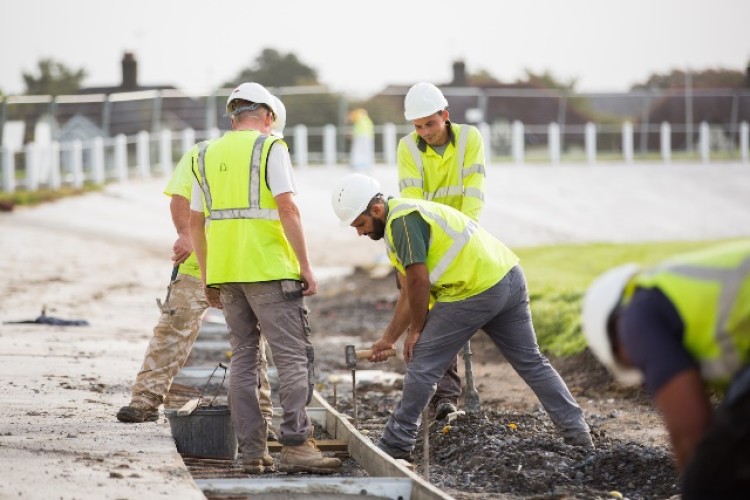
412	337
379	350
181	249
213	297
309	283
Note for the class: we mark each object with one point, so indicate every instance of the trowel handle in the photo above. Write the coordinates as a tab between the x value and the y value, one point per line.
367	353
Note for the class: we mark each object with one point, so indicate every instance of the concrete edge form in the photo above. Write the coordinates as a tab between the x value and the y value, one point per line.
376	462
367	487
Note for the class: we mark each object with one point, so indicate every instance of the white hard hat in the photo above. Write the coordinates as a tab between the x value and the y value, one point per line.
600	300
277	128
351	196
252	92
423	99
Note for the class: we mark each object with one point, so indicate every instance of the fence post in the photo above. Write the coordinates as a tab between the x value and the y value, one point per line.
54	165
9	169
553	143
143	154
590	141
188	139
329	144
518	142
121	157
484	130
744	141
300	145
97	160
389	144
76	159
627	142
666	142
32	179
165	151
705	142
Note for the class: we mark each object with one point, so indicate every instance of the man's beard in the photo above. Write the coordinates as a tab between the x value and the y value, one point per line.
378	229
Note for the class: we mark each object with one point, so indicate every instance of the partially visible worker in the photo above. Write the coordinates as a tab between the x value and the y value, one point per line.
443	162
362	154
475	282
182	311
683	328
254	263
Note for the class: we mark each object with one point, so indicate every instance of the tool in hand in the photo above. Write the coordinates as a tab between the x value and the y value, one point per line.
471	396
352	356
164	307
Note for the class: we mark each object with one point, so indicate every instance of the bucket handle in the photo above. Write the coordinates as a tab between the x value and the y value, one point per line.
220	365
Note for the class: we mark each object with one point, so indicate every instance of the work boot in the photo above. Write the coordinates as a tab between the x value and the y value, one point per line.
258	465
443	408
134	414
271	435
394	452
580	439
307	458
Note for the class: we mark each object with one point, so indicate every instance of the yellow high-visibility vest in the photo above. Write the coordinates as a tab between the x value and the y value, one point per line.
710	289
245	240
455	179
463	259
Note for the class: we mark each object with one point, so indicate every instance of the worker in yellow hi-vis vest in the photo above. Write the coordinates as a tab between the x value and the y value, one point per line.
442	162
681	328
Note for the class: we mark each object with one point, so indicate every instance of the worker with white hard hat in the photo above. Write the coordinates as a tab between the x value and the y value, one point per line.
277	128
473	280
682	327
180	315
443	162
254	264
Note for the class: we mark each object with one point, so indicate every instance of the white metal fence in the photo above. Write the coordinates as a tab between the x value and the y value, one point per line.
100	160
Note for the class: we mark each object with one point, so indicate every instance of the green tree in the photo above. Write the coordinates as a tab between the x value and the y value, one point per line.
482	77
274	69
547	80
701	79
54	78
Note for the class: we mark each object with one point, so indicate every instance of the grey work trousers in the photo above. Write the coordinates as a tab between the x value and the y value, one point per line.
248	307
503	313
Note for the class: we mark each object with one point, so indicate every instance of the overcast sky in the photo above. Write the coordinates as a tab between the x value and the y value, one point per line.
360	46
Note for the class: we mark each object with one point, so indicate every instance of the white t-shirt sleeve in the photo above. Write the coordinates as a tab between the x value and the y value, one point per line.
196	198
280	174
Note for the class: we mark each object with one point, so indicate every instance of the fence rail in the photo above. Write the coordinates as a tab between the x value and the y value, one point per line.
100	160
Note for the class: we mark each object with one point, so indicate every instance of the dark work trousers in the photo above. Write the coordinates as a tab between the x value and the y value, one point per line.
503	313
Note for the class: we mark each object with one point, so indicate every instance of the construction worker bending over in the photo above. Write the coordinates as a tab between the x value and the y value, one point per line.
442	162
476	282
681	327
254	263
182	312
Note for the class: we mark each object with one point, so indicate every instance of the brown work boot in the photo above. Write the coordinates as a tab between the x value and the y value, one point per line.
443	408
258	465
133	414
307	458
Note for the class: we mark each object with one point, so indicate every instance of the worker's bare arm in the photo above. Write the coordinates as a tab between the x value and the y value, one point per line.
179	207
686	411
291	222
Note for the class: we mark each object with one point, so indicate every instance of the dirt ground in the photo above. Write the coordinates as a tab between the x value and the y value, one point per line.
510	449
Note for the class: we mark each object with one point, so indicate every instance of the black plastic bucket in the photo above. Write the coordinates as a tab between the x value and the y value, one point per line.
205	433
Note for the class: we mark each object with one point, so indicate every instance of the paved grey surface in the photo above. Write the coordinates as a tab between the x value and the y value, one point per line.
104	257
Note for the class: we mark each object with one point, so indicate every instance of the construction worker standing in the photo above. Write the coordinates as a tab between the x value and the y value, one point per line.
254	263
475	282
442	162
683	327
182	312
362	154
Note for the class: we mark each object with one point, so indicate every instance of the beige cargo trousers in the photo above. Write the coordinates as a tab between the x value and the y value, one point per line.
171	343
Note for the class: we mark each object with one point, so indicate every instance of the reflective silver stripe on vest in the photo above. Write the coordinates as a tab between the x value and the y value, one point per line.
731	281
460	239
202	168
253	211
459	190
